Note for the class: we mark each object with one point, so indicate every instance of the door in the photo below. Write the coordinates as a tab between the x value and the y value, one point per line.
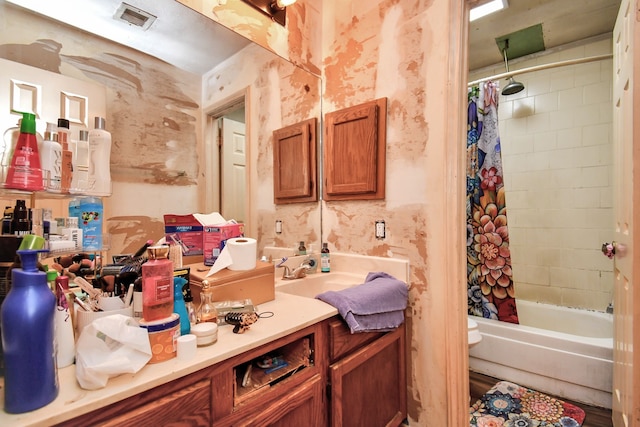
626	378
232	203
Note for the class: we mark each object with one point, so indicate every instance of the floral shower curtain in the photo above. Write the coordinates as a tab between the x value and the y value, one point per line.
489	277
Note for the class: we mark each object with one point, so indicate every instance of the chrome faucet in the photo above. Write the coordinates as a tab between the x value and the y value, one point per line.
297	273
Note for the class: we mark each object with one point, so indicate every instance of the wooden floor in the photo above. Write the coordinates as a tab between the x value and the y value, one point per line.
595	417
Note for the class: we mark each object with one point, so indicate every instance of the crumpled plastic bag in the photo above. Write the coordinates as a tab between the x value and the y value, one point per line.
110	346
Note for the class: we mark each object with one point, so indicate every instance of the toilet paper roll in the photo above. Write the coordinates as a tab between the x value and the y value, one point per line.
243	251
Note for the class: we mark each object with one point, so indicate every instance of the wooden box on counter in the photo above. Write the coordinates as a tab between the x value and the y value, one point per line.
257	284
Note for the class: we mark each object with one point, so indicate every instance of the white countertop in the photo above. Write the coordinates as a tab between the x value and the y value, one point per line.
291	313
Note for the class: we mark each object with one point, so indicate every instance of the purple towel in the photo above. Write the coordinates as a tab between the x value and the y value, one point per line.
376	305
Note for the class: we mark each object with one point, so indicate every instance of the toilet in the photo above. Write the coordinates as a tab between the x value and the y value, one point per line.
474	334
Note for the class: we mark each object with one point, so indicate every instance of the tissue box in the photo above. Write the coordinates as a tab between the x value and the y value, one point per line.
186	231
214	238
257	284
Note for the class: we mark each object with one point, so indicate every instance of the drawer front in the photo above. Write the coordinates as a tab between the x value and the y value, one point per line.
192	403
342	341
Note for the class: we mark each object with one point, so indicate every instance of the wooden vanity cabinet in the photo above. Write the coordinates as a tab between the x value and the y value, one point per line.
333	379
367	377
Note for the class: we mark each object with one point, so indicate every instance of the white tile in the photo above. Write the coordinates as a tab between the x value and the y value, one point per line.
570	98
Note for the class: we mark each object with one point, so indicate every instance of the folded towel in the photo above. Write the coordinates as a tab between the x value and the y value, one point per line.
376	305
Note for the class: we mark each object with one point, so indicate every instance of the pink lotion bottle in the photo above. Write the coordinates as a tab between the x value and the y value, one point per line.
24	171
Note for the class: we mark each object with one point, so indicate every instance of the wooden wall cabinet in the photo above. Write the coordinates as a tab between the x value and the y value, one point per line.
294	163
355	152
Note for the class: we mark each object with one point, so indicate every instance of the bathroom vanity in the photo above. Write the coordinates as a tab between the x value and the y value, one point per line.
333	377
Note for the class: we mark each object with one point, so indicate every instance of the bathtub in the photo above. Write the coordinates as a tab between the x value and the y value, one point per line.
561	351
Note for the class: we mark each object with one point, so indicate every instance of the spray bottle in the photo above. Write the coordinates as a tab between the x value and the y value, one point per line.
179	305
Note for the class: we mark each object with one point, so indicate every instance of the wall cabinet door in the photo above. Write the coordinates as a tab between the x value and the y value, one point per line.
294	163
355	152
368	387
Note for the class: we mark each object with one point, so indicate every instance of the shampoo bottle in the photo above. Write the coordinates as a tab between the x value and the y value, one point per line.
80	180
99	160
24	172
27	323
66	163
51	159
179	305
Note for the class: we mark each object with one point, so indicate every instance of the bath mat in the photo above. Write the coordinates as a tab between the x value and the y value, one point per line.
510	405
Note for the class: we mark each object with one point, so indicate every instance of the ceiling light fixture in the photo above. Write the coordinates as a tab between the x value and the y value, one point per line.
274	9
487	8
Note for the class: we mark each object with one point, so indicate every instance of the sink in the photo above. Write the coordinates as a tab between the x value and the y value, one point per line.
315	284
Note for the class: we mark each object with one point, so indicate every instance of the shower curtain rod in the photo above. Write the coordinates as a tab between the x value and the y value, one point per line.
542	67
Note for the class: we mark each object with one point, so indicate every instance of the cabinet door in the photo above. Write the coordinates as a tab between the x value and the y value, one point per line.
303	406
355	152
368	388
294	163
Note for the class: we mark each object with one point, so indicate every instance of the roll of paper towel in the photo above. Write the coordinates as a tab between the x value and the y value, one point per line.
243	251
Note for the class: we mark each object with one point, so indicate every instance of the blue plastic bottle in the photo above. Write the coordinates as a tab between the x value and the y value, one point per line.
27	316
179	306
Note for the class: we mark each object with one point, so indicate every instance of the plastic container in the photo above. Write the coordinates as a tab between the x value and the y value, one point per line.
27	323
99	160
157	284
163	336
90	222
24	172
206	333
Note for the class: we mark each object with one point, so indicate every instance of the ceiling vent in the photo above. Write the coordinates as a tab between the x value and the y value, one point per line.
134	16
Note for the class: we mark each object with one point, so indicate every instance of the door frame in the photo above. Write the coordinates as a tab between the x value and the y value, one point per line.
210	195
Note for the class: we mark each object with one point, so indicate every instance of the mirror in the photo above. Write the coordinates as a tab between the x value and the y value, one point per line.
162	116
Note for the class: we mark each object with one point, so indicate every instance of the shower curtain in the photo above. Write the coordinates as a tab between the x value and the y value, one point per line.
489	277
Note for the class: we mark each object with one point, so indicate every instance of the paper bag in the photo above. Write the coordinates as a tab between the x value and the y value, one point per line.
110	346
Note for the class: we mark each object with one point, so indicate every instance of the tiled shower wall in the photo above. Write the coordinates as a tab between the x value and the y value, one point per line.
556	140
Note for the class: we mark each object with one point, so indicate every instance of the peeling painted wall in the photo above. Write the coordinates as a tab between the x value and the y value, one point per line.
399	49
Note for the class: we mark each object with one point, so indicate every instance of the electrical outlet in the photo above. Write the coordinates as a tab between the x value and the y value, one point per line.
380	229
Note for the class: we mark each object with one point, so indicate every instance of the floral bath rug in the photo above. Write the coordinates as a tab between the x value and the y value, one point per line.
510	405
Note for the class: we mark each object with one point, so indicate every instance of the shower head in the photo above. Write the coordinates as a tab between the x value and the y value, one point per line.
512	87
